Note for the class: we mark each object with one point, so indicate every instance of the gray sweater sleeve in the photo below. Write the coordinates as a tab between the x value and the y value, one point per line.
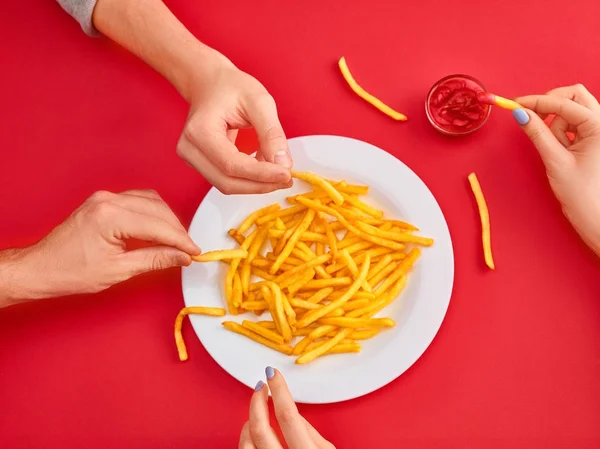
81	10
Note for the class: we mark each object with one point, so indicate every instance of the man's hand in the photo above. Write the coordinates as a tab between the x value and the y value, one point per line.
223	98
88	252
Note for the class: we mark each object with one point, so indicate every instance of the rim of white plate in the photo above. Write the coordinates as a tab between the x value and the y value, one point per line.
419	312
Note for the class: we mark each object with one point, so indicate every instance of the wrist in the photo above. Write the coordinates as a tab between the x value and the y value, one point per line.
197	67
15	277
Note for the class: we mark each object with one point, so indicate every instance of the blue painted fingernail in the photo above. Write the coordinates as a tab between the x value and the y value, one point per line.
270	372
259	385
521	116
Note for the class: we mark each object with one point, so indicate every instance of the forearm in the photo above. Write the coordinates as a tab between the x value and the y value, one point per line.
17	277
149	30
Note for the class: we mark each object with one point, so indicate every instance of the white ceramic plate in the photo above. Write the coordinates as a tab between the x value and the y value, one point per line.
419	312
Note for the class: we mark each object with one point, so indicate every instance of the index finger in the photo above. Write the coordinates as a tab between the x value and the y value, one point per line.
575	114
213	142
128	224
291	423
263	435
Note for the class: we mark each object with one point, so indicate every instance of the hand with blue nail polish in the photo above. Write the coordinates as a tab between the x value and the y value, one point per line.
570	150
257	433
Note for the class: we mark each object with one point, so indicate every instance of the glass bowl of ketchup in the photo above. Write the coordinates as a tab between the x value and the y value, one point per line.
452	107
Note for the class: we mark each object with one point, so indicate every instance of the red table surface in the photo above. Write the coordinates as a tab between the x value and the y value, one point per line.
517	361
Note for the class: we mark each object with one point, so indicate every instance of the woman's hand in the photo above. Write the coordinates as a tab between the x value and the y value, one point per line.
224	99
570	150
257	433
88	252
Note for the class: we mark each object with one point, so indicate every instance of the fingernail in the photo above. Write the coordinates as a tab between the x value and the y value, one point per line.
283	158
259	385
270	372
521	116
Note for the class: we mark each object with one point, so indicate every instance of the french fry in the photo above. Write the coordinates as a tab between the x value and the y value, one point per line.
404	267
301	346
380	303
255	247
237	290
260	330
254	305
395	236
231	272
267	324
349	262
301	281
302	304
359	335
289	246
212	311
379	266
280	214
384	274
318	284
321	331
320	295
344	348
280	318
344	187
322	183
289	311
375	213
305	266
484	215
308	357
239	238
358	90
306	236
356	304
371	238
314	315
357	323
251	219
221	254
238	329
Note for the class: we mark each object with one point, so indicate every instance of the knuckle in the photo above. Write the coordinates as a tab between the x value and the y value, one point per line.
287	416
153	193
580	88
274	133
226	189
100	196
181	149
228	166
102	211
258	433
537	134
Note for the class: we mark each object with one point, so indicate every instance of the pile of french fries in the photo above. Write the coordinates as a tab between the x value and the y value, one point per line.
321	268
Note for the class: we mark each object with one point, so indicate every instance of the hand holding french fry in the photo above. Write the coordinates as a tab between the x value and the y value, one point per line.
88	252
570	150
298	433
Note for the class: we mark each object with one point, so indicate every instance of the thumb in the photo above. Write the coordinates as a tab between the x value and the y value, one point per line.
262	114
154	258
554	155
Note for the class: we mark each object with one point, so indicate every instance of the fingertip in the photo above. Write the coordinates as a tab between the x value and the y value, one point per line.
259	386
270	372
521	116
182	259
